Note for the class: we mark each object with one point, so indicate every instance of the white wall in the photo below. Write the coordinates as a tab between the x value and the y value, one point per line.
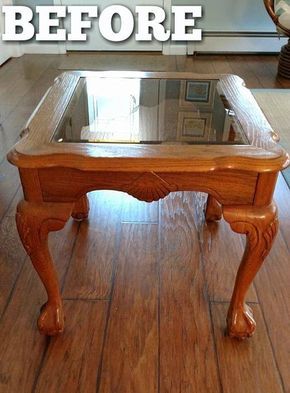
221	18
233	26
232	15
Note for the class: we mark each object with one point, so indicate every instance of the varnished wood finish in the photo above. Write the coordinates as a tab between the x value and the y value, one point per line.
29	362
91	269
74	349
274	277
21	346
235	357
34	222
34	150
54	173
222	250
133	325
265	189
213	211
187	356
260	224
9	183
81	208
12	254
56	184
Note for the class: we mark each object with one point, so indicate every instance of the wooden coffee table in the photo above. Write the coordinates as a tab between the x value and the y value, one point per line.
148	134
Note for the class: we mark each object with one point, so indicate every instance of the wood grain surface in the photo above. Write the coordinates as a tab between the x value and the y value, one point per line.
130	361
72	360
20	368
37	147
235	357
27	361
64	184
275	303
90	272
9	182
137	211
187	355
12	254
217	259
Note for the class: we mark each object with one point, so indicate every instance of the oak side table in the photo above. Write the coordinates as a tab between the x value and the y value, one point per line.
148	134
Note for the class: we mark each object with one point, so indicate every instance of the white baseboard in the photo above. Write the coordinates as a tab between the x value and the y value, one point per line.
54	48
174	49
237	44
210	44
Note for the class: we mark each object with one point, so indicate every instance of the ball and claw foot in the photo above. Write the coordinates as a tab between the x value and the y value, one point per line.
241	323
51	319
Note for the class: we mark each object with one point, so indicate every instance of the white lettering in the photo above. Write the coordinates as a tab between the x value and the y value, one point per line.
127	23
46	22
150	23
11	23
78	24
145	23
181	23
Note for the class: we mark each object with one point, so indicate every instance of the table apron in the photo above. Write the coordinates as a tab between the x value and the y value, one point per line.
68	184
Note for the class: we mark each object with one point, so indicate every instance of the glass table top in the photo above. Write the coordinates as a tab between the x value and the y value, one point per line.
149	111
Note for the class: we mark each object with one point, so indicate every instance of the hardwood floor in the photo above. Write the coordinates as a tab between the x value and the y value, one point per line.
146	286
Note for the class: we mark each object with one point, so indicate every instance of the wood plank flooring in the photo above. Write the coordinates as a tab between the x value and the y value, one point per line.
146	286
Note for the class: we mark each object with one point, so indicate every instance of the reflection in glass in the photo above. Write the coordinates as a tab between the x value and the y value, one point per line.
128	110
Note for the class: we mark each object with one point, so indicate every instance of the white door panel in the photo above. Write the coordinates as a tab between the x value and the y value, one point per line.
95	41
5	51
5	47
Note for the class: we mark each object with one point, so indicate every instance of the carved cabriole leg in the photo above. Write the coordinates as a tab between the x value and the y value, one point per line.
81	208
213	210
34	222
260	224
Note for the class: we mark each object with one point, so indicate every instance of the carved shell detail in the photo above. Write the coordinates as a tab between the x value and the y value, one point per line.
150	187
